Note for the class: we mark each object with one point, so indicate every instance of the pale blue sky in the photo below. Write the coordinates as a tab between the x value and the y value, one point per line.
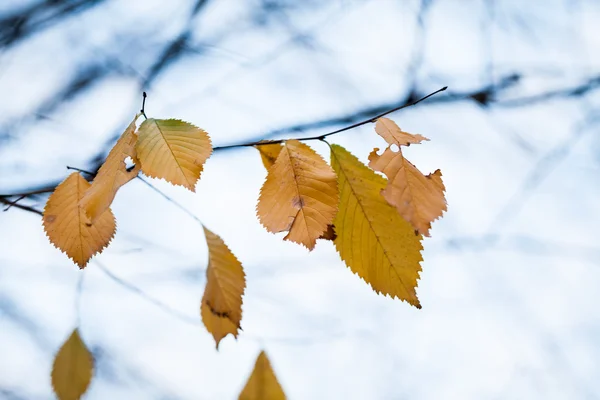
509	286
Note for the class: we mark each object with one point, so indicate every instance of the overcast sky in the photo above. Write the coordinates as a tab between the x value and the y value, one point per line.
510	278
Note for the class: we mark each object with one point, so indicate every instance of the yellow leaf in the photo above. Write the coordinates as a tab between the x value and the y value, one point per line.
173	150
387	129
299	195
372	238
72	369
262	384
221	307
418	198
68	227
269	153
112	174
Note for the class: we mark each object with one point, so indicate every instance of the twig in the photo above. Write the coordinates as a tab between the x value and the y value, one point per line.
13	203
347	128
20	206
143	110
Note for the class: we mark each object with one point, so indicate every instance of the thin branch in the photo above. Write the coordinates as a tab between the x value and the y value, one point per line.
347	128
20	206
143	110
13	203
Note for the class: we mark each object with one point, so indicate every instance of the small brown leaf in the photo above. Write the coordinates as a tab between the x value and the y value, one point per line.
68	227
387	129
418	198
299	195
221	307
112	174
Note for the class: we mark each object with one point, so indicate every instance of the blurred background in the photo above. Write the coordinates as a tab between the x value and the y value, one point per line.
510	276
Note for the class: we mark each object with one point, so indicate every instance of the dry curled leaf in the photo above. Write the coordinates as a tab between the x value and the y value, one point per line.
112	174
372	238
418	198
173	150
262	383
391	132
221	307
67	225
72	369
299	195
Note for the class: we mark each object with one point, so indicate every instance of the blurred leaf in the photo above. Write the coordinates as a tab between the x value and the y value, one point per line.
300	195
72	369
67	225
112	174
221	308
173	150
372	238
262	384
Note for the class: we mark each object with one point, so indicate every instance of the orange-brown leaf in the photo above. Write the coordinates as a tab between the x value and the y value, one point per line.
418	198
173	150
262	383
221	307
299	195
68	227
391	132
269	153
72	369
112	174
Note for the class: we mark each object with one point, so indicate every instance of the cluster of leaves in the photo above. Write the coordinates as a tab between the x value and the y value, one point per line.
73	368
376	224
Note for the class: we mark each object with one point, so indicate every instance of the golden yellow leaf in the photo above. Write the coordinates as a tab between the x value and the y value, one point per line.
300	195
372	238
418	198
221	307
391	132
262	384
173	150
269	153
112	174
72	369
68	227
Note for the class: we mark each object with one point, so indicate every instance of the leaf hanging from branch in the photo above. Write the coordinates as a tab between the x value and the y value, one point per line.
262	383
418	198
221	307
173	150
391	132
72	369
67	225
372	238
300	195
112	174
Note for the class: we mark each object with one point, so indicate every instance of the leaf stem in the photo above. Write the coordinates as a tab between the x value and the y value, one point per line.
143	110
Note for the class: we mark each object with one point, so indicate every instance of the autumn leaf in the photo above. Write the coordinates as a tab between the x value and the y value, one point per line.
72	369
269	153
262	383
418	198
299	195
372	238
329	234
391	132
112	174
68	227
173	150
221	307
